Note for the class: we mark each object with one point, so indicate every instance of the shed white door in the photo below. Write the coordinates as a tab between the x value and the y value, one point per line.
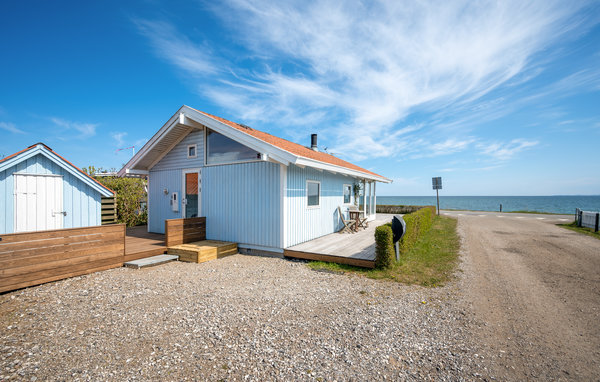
38	202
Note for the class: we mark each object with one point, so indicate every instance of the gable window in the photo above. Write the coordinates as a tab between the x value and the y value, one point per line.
313	193
347	194
191	151
221	149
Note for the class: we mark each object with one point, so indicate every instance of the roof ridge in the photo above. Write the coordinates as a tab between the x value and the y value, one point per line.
333	160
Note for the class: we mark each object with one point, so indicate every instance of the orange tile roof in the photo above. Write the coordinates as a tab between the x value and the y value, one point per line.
58	155
292	147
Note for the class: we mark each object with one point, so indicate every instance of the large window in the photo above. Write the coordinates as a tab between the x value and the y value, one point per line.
313	193
220	149
347	193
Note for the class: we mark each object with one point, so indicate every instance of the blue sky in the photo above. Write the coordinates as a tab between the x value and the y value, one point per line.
497	98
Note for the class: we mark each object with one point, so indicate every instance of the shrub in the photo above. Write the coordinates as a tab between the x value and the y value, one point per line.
417	223
384	246
130	194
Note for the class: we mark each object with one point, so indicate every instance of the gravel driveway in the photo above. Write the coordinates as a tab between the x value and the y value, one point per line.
534	289
238	318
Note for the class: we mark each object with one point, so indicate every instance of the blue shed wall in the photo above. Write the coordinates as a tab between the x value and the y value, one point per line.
241	203
81	202
304	223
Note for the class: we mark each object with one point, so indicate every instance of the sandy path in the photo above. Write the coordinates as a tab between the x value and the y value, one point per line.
535	290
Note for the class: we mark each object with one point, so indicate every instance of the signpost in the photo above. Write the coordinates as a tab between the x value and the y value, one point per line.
437	185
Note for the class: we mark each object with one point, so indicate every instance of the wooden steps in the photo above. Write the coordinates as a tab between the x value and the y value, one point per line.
202	251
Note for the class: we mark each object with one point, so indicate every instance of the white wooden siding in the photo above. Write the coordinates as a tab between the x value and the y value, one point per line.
159	202
307	223
241	203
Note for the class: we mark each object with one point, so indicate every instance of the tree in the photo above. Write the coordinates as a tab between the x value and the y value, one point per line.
130	193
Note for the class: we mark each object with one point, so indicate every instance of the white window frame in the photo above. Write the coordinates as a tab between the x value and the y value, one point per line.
319	199
195	146
343	189
206	148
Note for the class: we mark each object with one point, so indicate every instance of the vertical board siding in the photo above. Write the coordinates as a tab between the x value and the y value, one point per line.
177	157
159	202
241	203
80	201
303	223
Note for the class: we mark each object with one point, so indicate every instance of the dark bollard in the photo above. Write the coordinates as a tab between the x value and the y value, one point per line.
500	207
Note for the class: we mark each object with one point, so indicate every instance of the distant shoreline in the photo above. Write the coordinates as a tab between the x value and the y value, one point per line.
556	204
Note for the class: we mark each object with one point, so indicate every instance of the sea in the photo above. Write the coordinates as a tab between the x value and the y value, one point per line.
560	204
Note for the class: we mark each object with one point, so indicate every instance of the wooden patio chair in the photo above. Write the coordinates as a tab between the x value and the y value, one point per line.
349	225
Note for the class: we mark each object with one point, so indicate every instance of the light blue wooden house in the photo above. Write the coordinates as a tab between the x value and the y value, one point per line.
40	190
260	191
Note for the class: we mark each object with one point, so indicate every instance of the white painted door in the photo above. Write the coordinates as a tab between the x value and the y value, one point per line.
191	193
38	202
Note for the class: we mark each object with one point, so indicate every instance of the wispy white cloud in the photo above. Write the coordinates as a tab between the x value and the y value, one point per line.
10	127
118	137
85	130
505	151
194	58
370	65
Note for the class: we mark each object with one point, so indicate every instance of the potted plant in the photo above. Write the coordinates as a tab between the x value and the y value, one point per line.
356	189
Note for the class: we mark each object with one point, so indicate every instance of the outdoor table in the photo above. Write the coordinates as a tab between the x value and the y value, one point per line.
355	215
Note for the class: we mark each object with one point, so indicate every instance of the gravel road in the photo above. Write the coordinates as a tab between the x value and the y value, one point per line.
534	289
525	307
238	318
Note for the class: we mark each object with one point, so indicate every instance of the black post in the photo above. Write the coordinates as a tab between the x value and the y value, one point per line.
500	207
597	221
437	194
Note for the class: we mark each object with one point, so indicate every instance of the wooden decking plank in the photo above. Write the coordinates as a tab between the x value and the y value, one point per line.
357	247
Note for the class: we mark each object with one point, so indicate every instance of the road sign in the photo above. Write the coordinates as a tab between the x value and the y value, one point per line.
437	185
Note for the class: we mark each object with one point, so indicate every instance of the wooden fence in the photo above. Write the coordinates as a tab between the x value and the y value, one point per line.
33	258
109	210
181	231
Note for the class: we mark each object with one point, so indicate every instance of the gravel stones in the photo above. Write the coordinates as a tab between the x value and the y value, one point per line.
239	318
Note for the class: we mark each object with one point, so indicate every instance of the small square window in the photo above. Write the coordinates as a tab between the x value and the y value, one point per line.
191	151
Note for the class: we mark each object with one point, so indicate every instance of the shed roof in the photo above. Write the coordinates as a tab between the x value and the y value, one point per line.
41	148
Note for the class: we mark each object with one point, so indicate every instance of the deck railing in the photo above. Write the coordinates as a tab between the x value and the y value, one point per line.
186	230
32	258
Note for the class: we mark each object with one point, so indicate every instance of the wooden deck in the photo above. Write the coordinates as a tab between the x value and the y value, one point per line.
343	248
140	243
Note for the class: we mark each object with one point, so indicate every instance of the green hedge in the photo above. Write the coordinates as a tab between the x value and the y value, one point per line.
417	223
384	246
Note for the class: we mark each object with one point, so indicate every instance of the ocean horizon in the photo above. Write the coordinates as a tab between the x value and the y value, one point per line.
560	204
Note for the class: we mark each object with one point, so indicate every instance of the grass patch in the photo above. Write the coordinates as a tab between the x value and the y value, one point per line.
430	262
582	230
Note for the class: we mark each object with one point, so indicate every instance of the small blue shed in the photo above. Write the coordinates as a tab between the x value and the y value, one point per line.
260	191
41	190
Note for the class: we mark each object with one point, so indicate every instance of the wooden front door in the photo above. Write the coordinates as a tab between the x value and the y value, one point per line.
38	202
